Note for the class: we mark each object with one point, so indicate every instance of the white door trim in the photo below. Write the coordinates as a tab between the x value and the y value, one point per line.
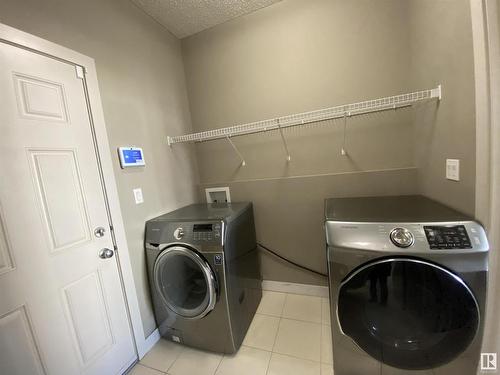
36	44
486	37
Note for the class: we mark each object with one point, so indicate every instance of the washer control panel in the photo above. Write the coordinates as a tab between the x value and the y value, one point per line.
447	237
202	233
206	232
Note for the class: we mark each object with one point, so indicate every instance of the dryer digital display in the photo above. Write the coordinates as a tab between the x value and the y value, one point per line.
447	237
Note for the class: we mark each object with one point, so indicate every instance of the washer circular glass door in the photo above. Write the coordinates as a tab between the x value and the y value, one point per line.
185	282
408	313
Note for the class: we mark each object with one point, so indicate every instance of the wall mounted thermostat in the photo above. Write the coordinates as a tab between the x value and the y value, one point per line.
131	157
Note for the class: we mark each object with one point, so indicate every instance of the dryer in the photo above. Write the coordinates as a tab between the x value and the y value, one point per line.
407	280
204	274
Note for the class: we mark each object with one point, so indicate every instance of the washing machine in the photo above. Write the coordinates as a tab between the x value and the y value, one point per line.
204	274
407	280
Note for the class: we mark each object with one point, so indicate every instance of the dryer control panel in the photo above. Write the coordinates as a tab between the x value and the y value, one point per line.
447	237
417	238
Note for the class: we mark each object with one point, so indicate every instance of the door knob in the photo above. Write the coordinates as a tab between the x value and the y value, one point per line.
99	232
106	253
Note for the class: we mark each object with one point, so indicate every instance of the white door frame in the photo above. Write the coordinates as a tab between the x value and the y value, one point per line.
44	47
486	37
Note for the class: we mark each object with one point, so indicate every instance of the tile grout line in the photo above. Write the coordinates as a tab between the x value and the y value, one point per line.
269	362
321	310
302	320
284	303
301	358
321	337
149	367
218	365
296	320
287	355
276	337
277	331
177	357
274	344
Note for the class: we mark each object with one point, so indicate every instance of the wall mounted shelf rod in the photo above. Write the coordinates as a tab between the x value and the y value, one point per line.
353	109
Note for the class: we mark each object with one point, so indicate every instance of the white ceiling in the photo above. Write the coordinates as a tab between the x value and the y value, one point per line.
187	17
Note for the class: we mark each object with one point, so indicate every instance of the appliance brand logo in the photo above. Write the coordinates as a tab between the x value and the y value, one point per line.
488	361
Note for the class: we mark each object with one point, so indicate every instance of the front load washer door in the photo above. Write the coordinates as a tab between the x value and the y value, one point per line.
408	313
185	282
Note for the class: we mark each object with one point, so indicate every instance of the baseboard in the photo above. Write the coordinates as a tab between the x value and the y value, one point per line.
150	341
306	289
129	366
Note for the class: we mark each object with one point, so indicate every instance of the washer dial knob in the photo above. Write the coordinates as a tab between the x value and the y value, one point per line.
401	237
178	233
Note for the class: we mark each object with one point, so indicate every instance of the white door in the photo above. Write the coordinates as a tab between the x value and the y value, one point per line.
62	308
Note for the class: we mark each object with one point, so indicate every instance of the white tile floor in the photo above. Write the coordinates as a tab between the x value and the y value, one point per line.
290	335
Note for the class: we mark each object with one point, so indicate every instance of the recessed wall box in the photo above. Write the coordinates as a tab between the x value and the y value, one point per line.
218	195
131	157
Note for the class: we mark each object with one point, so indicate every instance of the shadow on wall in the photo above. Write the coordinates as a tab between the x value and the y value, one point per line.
248	69
289	214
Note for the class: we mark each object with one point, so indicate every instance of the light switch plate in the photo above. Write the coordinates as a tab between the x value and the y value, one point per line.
453	169
138	196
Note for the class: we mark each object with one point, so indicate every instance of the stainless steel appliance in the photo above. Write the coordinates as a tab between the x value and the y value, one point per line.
407	280
204	274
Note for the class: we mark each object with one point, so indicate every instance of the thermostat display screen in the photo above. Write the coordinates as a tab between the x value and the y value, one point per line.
131	157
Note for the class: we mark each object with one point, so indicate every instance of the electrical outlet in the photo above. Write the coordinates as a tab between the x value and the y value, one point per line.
138	196
453	169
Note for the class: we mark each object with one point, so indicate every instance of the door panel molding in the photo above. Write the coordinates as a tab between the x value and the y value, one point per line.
18	343
52	106
91	341
54	169
6	259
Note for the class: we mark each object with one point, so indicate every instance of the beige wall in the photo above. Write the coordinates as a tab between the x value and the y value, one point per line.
291	57
303	55
142	86
441	50
289	214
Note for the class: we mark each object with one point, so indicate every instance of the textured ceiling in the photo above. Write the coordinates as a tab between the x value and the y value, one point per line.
187	17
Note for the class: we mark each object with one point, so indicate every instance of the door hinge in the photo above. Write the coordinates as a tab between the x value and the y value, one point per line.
80	71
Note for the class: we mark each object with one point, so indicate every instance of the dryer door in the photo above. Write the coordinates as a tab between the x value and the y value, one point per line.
185	282
408	313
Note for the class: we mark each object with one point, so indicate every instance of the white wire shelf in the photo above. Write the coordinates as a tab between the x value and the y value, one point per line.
346	110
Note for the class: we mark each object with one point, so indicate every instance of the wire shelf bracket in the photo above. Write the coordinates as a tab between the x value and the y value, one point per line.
280	123
243	162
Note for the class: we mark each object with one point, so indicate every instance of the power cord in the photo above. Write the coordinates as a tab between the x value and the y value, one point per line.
290	261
